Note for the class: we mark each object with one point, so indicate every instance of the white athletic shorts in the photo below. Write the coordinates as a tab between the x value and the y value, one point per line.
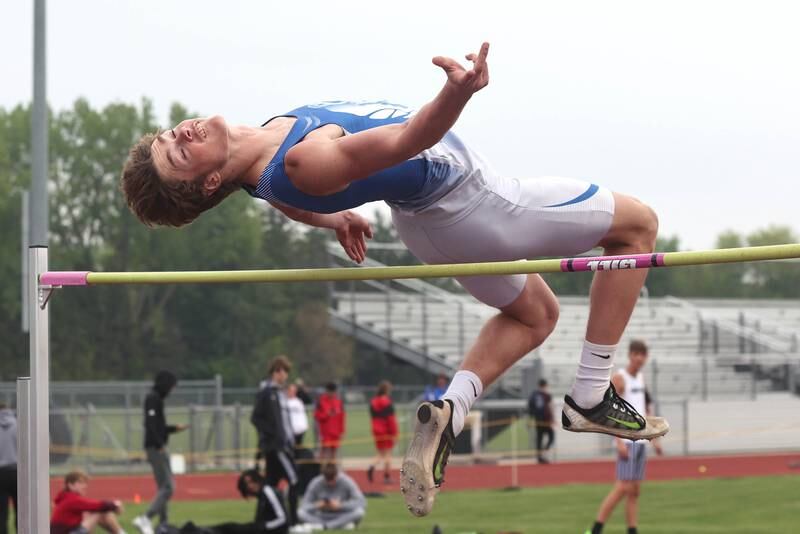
488	218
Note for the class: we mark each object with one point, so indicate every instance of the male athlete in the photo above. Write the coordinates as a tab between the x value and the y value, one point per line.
631	455
317	162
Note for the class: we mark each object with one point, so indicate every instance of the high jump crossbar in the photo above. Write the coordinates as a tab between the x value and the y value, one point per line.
596	263
33	402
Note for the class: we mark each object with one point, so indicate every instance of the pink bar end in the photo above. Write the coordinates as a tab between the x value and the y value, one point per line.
64	278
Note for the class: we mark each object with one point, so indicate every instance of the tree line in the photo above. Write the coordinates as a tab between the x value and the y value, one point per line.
128	332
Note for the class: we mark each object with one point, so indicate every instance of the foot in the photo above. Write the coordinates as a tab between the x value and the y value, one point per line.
613	416
387	480
371	473
143	523
543	460
423	466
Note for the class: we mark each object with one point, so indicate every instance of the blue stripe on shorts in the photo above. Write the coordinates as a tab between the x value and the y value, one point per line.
632	468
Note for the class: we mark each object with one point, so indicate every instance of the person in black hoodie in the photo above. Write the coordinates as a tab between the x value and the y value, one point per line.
156	436
275	437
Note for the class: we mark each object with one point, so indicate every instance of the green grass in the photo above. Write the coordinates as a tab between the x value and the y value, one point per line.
736	505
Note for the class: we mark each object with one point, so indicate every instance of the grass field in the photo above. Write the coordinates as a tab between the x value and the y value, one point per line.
736	505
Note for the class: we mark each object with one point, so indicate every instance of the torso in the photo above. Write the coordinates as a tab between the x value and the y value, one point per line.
413	184
634	390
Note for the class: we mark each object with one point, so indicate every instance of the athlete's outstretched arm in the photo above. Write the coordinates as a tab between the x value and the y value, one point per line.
324	166
352	230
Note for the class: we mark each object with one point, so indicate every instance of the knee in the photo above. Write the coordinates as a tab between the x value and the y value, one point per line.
305	516
547	318
647	228
632	491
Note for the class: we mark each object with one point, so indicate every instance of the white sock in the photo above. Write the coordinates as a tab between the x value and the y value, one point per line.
464	390
594	374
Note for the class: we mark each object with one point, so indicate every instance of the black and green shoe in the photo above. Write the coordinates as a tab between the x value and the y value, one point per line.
613	416
423	465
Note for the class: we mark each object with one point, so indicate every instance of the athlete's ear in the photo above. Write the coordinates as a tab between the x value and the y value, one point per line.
212	182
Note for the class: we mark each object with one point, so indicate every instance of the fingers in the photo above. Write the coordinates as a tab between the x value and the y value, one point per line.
480	60
446	63
483	53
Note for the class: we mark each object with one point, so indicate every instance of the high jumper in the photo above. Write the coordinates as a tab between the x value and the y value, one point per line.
317	162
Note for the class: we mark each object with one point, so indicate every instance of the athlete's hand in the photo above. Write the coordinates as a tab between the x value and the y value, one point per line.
469	81
352	231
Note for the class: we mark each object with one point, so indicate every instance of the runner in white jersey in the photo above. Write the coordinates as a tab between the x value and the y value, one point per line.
631	455
317	161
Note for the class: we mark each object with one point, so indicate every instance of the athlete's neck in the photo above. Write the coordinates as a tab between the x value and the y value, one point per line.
251	149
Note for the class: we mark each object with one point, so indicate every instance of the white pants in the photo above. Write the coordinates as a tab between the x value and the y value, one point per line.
488	218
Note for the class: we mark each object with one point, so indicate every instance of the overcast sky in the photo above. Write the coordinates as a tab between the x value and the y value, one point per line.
692	106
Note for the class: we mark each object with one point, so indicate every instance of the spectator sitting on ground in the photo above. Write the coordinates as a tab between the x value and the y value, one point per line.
271	516
75	514
333	500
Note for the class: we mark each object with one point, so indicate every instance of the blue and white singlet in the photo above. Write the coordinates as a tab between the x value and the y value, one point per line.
409	186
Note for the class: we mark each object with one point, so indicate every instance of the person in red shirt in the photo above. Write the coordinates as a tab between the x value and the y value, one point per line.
75	514
330	418
384	430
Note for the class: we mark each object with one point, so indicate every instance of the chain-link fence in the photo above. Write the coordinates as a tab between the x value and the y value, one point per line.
222	438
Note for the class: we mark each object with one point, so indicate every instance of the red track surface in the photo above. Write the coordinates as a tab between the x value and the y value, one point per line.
222	486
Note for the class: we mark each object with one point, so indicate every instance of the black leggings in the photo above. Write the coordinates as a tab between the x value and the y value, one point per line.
541	432
8	490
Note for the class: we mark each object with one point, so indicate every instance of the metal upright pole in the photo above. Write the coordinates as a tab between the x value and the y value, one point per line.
219	420
25	238
38	420
39	445
39	157
24	487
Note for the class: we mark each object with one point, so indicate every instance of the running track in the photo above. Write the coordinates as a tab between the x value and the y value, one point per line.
222	485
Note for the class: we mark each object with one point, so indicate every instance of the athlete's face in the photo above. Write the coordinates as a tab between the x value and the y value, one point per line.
637	360
194	149
79	487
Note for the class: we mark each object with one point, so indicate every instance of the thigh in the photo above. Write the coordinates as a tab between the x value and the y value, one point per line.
632	218
275	470
541	217
159	461
280	466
